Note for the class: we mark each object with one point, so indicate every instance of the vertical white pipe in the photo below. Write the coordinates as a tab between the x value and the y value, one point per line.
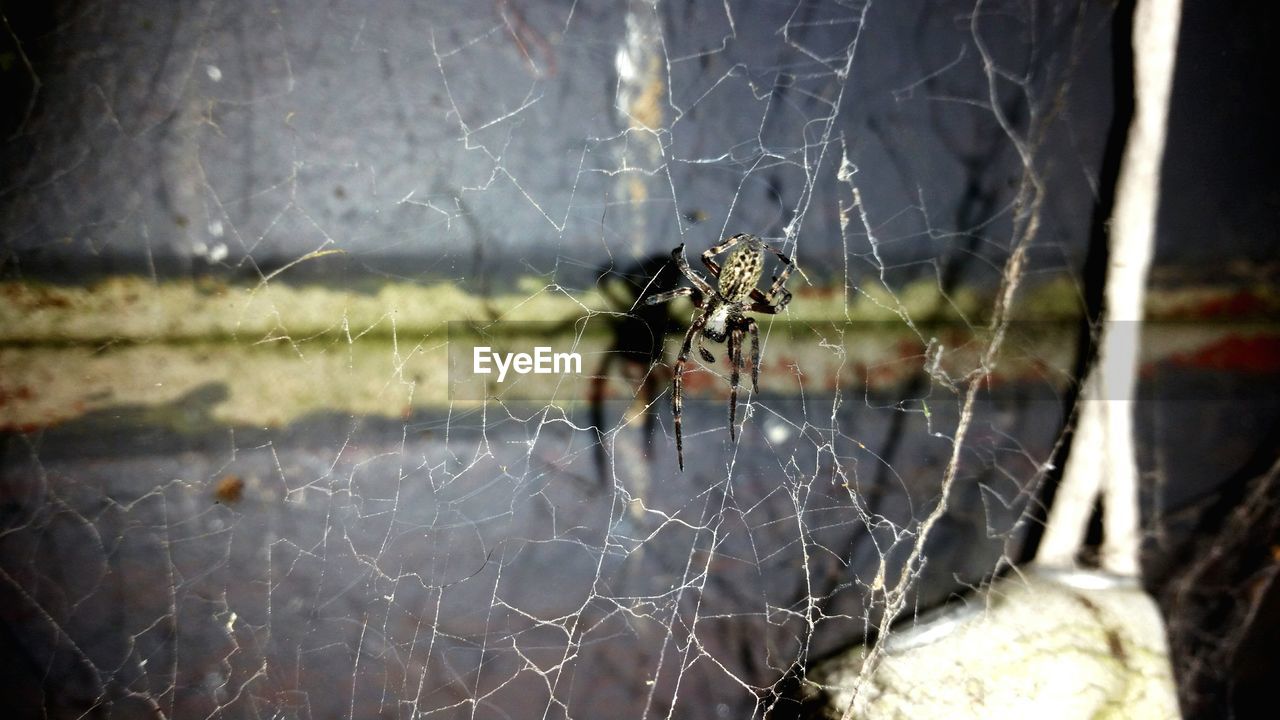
1102	450
1133	231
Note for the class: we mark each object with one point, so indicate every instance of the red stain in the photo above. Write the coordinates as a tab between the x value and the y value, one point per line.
22	392
1236	305
229	489
908	348
1259	354
35	298
884	375
995	380
698	380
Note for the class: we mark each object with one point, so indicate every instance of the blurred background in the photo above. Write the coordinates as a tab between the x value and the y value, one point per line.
235	478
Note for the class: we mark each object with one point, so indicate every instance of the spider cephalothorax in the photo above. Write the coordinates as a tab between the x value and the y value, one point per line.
721	315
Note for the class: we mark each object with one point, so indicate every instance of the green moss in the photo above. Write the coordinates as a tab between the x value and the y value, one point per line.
133	309
280	351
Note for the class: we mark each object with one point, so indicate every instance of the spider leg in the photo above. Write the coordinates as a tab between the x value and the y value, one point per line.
762	303
768	308
677	384
755	354
672	295
786	261
682	264
779	298
708	257
705	353
778	294
735	361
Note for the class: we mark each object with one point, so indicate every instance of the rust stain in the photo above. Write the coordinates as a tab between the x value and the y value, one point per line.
1116	647
22	392
230	489
646	109
29	298
530	44
636	190
1258	355
698	380
1244	303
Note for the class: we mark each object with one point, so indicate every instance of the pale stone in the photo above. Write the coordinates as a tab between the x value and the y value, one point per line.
1040	644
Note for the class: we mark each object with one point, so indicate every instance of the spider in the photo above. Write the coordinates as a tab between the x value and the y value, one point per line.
720	314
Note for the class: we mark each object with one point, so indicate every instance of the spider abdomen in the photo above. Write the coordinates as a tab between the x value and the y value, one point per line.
717	327
741	272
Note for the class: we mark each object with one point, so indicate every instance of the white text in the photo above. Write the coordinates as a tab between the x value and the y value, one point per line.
541	362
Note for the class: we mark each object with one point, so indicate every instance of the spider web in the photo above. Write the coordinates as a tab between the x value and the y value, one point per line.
263	498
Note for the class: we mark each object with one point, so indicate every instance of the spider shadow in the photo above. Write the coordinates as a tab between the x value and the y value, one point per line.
637	331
